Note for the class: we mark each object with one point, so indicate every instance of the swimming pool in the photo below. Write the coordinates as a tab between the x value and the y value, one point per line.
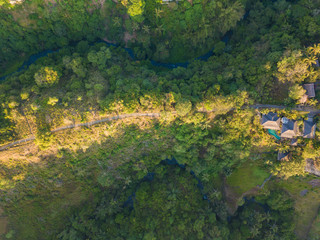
273	133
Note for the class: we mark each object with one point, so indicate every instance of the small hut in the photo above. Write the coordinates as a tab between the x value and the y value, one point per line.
311	167
283	156
310	92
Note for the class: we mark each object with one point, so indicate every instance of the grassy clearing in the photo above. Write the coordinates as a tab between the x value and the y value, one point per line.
314	233
33	219
248	176
306	207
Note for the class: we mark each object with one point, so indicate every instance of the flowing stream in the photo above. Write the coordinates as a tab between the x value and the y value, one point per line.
33	58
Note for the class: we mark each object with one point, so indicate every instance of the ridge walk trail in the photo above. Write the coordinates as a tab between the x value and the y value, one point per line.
88	124
312	112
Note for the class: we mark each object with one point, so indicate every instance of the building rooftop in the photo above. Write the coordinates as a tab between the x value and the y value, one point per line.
283	156
294	142
310	92
311	167
309	129
270	121
289	128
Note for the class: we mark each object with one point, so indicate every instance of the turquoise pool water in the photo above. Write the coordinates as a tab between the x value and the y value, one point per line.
273	133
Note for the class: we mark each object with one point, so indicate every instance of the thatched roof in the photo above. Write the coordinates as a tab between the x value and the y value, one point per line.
294	142
309	129
309	90
289	128
311	168
283	156
270	121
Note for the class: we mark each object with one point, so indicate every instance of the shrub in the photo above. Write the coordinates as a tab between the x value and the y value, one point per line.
52	101
13	104
296	92
24	95
183	107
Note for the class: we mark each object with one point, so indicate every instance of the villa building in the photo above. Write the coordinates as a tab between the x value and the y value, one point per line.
289	128
270	121
309	128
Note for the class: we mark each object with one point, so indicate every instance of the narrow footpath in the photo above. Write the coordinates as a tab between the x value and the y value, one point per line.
311	113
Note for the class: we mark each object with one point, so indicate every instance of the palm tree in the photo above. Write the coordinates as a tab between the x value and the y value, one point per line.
127	181
315	50
310	60
116	21
274	227
254	231
206	177
159	29
135	26
311	72
158	12
146	29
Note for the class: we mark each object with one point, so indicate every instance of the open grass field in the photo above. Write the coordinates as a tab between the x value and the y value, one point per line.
36	217
248	176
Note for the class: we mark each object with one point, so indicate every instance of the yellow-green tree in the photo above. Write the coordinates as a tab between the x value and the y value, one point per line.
293	167
46	77
292	68
296	92
135	8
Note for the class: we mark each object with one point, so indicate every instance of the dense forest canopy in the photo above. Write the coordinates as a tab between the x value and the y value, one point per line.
155	31
142	119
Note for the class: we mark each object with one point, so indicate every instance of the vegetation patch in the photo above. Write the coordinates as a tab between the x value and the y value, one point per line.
251	174
306	207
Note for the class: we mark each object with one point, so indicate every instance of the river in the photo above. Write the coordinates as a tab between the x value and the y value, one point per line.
33	58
